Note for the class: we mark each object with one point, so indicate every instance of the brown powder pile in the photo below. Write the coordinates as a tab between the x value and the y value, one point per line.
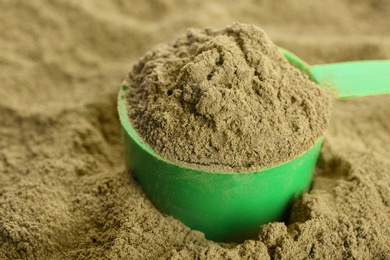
225	99
64	193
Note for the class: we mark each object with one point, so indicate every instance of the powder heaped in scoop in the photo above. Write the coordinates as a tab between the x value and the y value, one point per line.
225	100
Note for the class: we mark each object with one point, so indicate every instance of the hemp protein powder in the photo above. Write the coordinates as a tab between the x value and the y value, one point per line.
225	100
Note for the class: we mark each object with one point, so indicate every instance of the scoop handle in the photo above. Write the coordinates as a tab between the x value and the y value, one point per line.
349	79
354	79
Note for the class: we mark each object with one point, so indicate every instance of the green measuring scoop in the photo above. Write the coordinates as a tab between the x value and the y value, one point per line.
232	206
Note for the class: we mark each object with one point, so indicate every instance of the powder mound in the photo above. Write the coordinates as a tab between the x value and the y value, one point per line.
225	100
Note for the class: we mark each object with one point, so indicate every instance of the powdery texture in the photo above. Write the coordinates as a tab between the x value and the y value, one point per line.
225	100
64	193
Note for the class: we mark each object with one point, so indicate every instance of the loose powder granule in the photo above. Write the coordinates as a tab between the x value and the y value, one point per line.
225	100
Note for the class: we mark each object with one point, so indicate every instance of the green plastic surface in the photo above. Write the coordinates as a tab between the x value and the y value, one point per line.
348	79
355	78
225	206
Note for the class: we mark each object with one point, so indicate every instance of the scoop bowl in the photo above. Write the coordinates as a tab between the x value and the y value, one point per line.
225	206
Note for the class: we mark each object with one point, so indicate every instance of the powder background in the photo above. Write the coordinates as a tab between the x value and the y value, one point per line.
64	193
